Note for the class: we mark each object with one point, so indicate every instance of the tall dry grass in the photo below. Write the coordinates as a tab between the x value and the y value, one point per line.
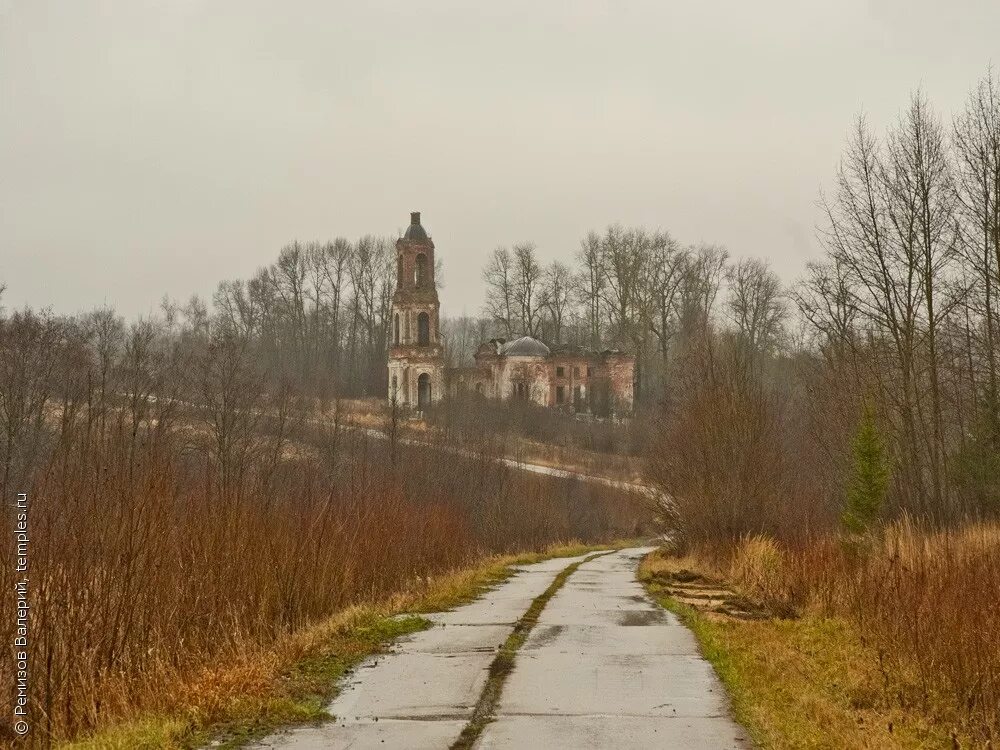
143	572
924	602
183	516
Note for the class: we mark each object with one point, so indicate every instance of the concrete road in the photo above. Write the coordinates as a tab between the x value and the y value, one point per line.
605	667
422	694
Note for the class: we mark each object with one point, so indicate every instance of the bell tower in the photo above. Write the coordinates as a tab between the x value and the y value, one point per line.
416	353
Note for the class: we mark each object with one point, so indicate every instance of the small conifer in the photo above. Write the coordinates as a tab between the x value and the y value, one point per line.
869	478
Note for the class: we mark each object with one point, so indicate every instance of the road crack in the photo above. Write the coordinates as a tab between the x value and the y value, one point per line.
503	663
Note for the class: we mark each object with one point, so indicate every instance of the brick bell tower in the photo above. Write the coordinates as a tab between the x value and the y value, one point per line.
416	353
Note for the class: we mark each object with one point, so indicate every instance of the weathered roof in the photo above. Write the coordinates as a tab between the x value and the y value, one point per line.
415	231
526	346
572	350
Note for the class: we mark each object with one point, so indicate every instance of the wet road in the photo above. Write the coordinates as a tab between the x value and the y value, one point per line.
604	667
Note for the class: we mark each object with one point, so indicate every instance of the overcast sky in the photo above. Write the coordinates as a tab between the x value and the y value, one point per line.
160	147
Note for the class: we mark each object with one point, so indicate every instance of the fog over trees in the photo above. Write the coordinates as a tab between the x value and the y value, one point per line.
898	318
769	380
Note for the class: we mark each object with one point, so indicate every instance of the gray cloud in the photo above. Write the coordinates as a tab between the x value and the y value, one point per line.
151	147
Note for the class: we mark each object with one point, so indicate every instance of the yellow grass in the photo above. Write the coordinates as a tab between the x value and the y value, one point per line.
293	679
813	681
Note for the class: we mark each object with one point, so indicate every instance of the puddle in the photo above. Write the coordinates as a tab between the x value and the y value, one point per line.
544	635
642	617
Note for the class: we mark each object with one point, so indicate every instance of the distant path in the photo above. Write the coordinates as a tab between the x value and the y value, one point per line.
604	667
515	464
378	434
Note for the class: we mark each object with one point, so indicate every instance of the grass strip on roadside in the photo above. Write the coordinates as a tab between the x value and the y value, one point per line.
808	682
503	663
292	681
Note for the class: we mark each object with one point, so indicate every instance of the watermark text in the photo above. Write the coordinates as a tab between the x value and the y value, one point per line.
22	542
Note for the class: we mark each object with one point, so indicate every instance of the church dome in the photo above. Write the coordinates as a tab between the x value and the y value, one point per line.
526	346
415	231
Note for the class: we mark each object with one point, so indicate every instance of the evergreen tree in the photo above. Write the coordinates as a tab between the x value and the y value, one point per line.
869	478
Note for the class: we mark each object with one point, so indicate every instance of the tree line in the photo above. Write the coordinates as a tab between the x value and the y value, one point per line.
318	316
872	380
898	319
628	288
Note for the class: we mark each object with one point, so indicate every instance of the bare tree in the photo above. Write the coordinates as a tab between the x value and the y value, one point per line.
883	277
702	273
30	347
555	298
826	301
527	288
977	149
757	307
667	275
589	285
462	336
921	209
499	276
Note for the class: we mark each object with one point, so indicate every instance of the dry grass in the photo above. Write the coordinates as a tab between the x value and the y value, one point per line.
292	679
363	412
807	682
569	443
901	629
610	466
155	554
543	435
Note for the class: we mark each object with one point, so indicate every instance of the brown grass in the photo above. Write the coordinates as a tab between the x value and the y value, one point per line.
191	517
292	678
158	549
913	613
609	466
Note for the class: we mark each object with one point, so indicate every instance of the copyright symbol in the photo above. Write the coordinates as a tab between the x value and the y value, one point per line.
21	727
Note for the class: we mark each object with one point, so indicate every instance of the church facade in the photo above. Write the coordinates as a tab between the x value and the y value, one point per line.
565	377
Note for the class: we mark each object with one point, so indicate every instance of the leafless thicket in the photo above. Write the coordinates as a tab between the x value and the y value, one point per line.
899	319
874	374
187	506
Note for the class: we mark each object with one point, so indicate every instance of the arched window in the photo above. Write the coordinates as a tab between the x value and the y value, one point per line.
423	329
395	329
420	270
423	391
394	390
399	271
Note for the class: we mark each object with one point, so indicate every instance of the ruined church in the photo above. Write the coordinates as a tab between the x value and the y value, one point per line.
561	376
